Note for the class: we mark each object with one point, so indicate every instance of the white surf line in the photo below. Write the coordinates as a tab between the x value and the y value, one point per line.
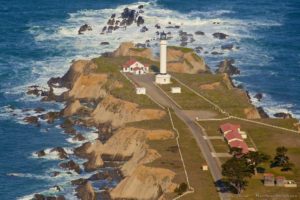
231	116
133	83
191	189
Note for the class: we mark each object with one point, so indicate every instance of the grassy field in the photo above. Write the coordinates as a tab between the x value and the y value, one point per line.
183	49
111	66
189	100
170	158
267	140
230	99
220	146
200	180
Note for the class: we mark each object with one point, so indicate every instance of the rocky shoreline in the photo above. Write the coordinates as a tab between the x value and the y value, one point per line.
90	101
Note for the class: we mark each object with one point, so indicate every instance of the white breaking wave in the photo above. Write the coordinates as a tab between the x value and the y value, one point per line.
54	155
64	37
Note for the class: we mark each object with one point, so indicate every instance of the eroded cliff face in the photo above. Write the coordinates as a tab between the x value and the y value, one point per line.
130	144
252	113
79	67
179	59
145	183
90	102
129	49
89	87
120	112
86	192
185	62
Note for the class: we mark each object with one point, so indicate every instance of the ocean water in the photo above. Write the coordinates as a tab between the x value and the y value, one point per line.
38	40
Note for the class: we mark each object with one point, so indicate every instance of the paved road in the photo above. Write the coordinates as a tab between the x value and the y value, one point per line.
159	96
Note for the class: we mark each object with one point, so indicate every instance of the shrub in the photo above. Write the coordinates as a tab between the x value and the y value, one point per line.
181	188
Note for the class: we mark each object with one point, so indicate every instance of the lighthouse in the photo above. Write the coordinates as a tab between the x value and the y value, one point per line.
163	77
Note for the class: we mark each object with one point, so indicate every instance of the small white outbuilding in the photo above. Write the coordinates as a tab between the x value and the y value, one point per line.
140	90
175	90
204	167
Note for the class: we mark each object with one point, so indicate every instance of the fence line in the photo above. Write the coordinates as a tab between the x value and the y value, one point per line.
191	189
230	116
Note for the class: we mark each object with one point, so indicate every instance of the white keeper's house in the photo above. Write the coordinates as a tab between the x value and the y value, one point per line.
135	67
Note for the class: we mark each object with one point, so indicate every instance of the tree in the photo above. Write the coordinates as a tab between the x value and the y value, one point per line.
181	189
281	159
254	158
236	171
235	151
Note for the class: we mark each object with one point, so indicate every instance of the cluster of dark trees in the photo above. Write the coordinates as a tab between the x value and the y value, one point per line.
240	168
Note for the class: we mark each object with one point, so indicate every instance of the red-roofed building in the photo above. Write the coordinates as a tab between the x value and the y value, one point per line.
232	136
226	128
239	144
269	179
135	67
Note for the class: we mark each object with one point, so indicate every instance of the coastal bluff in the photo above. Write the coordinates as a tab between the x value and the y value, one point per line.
180	59
99	96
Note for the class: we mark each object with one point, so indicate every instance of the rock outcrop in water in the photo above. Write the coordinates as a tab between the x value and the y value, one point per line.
85	191
84	28
283	115
220	36
124	19
227	66
140	182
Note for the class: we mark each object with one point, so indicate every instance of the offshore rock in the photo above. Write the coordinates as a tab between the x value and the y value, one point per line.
227	66
220	36
71	165
84	28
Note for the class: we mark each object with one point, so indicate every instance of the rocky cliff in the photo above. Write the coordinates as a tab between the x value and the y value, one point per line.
129	49
183	60
89	87
119	112
130	144
145	183
95	99
79	67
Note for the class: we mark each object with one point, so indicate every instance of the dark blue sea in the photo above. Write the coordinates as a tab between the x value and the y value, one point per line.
38	40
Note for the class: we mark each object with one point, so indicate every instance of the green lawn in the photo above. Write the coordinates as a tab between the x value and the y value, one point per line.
230	99
267	139
220	146
111	66
189	100
200	180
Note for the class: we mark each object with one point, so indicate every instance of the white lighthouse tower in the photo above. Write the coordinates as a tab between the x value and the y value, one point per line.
163	77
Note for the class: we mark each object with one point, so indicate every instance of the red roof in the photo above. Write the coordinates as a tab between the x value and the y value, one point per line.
239	144
233	135
229	127
129	63
280	178
268	175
